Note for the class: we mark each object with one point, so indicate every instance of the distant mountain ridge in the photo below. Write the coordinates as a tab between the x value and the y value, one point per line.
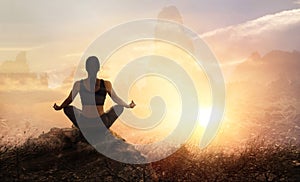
19	65
18	72
269	67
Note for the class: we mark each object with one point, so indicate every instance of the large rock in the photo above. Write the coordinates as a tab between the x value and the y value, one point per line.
64	154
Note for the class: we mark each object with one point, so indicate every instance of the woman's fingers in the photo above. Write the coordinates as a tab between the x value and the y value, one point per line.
56	107
132	104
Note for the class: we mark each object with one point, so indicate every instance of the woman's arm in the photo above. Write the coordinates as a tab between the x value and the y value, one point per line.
115	97
70	98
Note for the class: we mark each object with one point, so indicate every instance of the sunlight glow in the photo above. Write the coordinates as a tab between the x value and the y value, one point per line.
204	115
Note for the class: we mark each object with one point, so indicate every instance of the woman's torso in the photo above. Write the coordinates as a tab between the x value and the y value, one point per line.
92	110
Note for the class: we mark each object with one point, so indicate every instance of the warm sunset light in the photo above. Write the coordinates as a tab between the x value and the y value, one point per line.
155	86
204	116
165	90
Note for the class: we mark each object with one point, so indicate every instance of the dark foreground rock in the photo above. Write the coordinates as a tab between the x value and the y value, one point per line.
258	161
63	154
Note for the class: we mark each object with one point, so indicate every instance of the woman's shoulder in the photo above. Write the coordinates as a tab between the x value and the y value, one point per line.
107	83
78	82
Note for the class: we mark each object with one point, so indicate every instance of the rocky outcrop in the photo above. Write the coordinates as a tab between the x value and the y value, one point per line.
63	154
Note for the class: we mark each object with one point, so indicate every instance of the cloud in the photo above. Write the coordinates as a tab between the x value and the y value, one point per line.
266	33
263	24
79	54
297	2
24	48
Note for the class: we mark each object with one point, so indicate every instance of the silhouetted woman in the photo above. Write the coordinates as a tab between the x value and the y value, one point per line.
93	92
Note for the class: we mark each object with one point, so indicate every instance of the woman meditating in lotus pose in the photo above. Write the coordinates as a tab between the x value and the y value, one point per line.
93	92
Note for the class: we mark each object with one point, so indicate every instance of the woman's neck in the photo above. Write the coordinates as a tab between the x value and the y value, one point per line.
92	77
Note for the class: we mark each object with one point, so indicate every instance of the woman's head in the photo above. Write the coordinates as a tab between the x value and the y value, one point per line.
92	65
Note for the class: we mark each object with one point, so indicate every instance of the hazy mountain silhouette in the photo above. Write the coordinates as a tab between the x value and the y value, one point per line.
263	96
270	67
19	65
170	13
167	31
18	71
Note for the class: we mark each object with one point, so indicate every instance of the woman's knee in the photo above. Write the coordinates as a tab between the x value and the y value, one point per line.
68	110
118	109
72	113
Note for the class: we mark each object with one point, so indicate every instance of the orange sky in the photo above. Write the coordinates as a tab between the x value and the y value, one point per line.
54	46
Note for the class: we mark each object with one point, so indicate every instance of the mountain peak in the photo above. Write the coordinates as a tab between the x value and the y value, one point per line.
255	56
170	13
271	66
19	65
281	55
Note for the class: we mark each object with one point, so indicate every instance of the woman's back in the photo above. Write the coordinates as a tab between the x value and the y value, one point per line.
91	98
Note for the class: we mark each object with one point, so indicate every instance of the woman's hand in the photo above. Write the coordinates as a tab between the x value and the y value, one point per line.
131	105
56	107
